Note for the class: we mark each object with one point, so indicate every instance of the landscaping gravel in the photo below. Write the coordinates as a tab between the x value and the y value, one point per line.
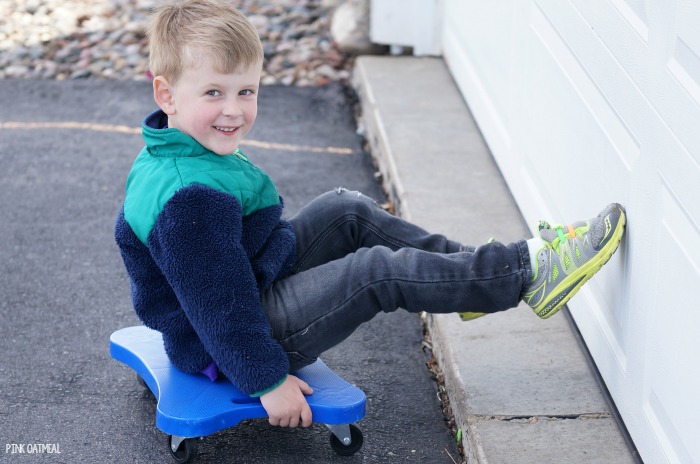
104	39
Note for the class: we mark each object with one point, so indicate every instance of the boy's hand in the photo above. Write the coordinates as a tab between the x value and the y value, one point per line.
286	405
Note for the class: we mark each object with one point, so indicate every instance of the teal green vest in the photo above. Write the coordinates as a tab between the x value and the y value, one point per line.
172	160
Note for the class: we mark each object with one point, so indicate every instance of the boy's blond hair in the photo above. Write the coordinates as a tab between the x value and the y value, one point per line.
181	30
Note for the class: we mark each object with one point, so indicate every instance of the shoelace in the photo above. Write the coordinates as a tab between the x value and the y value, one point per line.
559	229
560	232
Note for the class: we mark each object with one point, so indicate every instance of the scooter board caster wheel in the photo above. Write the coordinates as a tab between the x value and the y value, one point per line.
183	450
353	447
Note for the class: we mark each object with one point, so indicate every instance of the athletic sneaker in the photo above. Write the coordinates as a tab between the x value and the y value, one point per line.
569	256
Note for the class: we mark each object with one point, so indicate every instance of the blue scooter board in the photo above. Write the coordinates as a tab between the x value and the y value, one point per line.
192	406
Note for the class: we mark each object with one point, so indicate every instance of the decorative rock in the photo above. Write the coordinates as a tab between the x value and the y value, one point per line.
80	74
350	28
105	39
331	3
16	70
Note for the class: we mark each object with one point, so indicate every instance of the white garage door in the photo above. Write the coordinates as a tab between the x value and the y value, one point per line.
584	102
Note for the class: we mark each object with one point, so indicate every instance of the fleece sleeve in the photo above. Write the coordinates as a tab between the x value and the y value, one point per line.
196	243
267	264
156	304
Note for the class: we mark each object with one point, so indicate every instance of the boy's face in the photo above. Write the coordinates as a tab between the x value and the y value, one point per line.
217	110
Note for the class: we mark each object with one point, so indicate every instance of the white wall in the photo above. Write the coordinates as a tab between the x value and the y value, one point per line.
584	102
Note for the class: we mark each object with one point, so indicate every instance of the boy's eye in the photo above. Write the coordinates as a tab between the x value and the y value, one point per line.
213	93
246	92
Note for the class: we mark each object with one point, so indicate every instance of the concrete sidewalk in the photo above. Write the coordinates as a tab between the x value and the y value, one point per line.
520	388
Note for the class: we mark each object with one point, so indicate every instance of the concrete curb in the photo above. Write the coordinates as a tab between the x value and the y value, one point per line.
520	388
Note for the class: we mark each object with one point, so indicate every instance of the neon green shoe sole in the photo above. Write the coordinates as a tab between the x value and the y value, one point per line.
470	316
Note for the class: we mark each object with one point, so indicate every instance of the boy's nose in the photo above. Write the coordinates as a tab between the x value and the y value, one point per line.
232	110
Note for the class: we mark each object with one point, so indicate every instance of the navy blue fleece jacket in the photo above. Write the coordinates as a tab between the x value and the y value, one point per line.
201	236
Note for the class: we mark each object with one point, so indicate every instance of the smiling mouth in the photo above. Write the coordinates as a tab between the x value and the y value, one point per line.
226	129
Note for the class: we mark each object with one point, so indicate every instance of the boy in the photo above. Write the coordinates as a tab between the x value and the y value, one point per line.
235	289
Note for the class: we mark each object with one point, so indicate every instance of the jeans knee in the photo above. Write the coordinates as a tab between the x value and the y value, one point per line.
353	201
342	206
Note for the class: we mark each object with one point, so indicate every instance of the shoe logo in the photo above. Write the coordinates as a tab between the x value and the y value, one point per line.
608	227
561	298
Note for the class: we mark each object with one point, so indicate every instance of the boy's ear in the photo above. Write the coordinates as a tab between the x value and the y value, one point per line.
163	95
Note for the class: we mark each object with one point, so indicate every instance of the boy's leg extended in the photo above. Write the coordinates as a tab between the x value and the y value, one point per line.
355	260
315	309
342	221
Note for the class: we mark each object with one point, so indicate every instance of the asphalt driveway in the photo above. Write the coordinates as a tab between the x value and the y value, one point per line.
65	150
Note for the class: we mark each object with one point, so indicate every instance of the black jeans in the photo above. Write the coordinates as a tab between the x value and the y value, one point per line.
356	260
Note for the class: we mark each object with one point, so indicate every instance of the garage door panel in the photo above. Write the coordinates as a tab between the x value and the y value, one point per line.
686	23
678	170
609	92
671	404
612	97
617	27
490	56
677	91
684	66
574	130
635	14
666	70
